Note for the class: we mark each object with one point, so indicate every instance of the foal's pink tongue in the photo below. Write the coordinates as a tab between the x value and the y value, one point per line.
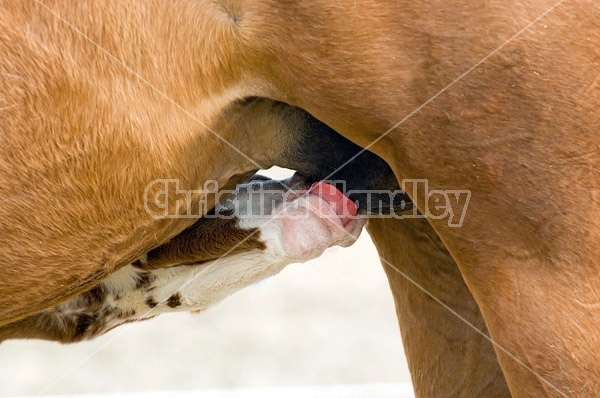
341	204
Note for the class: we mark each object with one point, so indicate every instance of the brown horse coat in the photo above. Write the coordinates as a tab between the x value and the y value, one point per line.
497	98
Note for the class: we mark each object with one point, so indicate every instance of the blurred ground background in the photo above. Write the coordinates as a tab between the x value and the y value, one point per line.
329	321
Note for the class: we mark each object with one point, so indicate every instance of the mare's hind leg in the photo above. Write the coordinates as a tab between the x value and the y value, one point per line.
445	356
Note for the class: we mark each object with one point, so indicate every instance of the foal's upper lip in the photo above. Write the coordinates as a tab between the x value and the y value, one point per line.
343	206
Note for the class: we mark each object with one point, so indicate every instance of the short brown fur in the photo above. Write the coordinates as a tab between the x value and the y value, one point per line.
446	357
82	136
